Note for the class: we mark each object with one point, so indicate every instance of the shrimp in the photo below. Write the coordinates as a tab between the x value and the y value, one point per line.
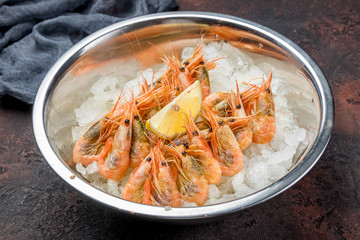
185	138
89	146
195	68
224	145
218	103
202	75
140	146
244	134
187	71
137	187
162	189
115	162
228	106
192	185
201	149
261	102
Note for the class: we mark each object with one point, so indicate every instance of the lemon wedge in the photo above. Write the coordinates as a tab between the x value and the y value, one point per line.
169	122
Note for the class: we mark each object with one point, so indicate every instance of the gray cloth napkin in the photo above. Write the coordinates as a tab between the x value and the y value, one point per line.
34	34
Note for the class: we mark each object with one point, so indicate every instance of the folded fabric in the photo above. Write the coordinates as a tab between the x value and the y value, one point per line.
34	34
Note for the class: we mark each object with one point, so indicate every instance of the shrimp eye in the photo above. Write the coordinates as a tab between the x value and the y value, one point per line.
136	117
238	106
186	145
240	96
177	88
268	90
210	129
183	153
159	81
201	62
163	163
186	62
182	69
136	102
148	159
221	122
232	120
195	133
106	118
127	121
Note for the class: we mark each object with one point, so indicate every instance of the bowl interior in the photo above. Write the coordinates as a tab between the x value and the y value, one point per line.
131	47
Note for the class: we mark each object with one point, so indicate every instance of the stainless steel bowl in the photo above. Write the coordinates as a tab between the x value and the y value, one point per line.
109	49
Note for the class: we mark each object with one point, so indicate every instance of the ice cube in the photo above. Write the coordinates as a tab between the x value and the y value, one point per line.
257	176
292	138
92	168
189	204
279	86
113	187
283	155
238	180
80	168
276	172
213	191
187	52
301	134
243	190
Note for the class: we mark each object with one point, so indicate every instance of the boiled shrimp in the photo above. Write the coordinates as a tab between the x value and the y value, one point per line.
162	187
244	134
224	145
115	162
200	148
87	148
260	100
218	103
187	68
192	185
137	186
140	146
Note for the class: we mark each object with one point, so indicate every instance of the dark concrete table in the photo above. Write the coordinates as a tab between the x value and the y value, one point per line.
36	204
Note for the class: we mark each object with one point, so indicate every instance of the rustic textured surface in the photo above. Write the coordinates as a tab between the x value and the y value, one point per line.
35	203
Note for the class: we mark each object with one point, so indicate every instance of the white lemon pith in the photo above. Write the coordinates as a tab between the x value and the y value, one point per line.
170	121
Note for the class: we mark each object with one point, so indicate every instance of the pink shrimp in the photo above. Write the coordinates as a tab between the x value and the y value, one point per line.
244	134
163	190
192	185
140	146
115	162
218	103
87	148
224	145
138	185
194	68
201	149
202	75
260	101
